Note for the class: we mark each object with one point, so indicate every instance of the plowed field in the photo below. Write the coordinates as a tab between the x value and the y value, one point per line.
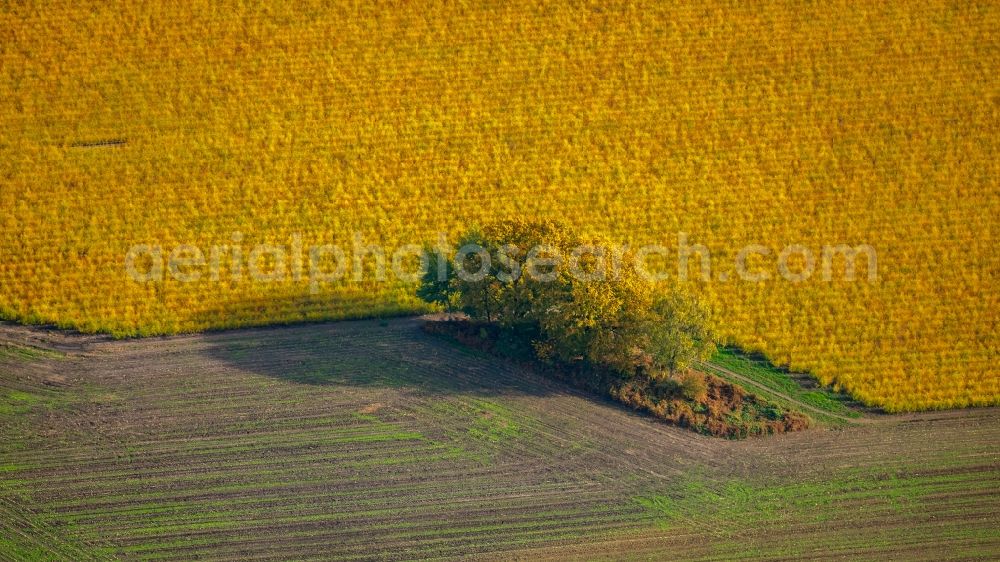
364	440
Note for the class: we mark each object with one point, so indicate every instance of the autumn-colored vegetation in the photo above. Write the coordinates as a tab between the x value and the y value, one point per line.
784	123
531	294
571	299
690	399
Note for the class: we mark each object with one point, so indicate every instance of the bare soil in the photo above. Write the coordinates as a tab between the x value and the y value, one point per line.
372	440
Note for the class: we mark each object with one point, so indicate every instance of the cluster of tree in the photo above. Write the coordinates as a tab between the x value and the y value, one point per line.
582	300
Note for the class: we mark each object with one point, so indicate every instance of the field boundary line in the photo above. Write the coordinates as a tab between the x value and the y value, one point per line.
760	386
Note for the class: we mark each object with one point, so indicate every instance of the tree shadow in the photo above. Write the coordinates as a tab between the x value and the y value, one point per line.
387	353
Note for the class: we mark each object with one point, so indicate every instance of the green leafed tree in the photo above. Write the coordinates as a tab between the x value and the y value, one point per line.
584	298
435	285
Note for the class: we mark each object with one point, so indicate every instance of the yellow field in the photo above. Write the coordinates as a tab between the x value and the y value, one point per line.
796	123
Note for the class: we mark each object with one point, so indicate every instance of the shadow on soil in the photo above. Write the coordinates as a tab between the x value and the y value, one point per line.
390	352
